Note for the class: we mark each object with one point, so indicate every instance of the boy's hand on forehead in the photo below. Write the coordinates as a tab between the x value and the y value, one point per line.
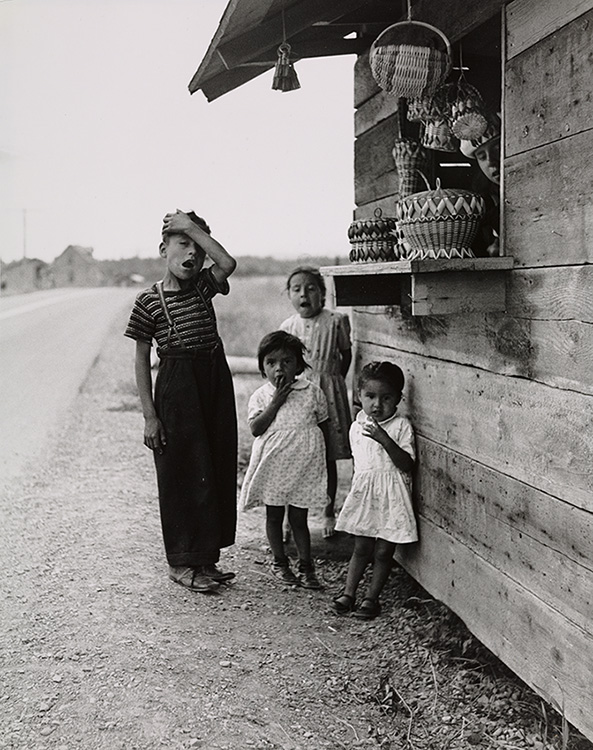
177	222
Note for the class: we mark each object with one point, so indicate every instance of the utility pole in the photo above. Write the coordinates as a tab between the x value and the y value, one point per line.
24	232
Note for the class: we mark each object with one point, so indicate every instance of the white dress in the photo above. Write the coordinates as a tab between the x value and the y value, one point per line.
326	336
379	503
287	465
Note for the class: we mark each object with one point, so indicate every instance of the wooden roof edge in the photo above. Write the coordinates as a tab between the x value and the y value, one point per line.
244	47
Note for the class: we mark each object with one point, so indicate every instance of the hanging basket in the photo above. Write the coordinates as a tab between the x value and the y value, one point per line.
374	239
464	109
406	61
437	136
420	109
440	223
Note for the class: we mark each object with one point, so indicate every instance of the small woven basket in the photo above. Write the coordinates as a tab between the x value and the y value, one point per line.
437	136
406	62
464	109
440	223
374	239
410	160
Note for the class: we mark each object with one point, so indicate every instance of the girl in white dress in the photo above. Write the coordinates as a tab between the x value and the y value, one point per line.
287	469
326	334
378	510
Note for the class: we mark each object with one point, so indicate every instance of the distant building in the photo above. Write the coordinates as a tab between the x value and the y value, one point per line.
25	275
77	267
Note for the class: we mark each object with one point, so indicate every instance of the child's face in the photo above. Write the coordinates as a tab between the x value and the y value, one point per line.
305	295
488	158
280	367
184	258
379	400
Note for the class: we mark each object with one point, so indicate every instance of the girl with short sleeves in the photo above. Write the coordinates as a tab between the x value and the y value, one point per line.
378	510
288	417
326	335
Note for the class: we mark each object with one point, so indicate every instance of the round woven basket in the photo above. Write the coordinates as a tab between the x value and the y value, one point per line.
374	239
405	60
437	136
440	223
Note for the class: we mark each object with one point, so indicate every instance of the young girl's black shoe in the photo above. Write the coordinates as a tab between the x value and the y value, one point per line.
307	577
284	574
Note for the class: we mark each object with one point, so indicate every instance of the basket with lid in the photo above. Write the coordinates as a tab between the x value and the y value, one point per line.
440	223
374	239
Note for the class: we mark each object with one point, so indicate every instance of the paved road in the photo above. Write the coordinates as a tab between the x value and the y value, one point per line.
48	342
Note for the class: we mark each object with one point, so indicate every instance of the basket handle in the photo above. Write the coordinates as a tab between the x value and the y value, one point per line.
414	23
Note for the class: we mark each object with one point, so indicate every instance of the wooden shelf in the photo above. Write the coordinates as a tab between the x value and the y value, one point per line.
424	287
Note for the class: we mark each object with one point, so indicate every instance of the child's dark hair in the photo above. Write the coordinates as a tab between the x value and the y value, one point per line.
313	273
271	342
196	220
386	372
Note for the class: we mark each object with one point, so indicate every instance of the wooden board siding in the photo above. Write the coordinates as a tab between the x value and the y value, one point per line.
545	649
539	435
503	402
529	21
558	100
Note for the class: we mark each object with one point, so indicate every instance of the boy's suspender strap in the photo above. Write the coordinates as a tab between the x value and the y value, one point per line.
170	321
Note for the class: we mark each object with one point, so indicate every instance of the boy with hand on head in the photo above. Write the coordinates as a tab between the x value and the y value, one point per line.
190	420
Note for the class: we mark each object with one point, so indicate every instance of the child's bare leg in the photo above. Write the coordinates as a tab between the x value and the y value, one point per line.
274	518
332	487
381	568
361	556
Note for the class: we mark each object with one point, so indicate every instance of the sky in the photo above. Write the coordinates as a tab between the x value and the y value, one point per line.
99	136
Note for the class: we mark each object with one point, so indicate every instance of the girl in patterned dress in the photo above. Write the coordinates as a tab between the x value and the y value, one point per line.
378	509
326	334
190	421
288	417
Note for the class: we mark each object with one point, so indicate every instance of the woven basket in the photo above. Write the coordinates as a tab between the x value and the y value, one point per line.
464	109
405	61
437	136
440	223
410	159
374	239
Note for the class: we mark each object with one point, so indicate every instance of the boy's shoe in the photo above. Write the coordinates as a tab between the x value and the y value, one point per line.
216	574
284	574
307	577
192	579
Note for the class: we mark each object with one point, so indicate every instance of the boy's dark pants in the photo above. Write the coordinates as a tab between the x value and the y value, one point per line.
197	472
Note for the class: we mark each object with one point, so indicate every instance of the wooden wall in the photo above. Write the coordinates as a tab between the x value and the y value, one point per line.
503	403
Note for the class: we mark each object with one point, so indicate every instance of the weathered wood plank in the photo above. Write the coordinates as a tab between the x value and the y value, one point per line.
377	108
539	435
373	163
450	488
548	216
559	293
451	494
457	293
548	89
547	651
529	21
554	353
365	86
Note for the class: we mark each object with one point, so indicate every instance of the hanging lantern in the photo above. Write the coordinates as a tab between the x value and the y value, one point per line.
285	77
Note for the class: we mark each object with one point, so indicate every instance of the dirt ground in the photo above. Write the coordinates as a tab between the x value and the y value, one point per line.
101	650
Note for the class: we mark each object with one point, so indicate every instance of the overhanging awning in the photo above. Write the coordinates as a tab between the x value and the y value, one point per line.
246	41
